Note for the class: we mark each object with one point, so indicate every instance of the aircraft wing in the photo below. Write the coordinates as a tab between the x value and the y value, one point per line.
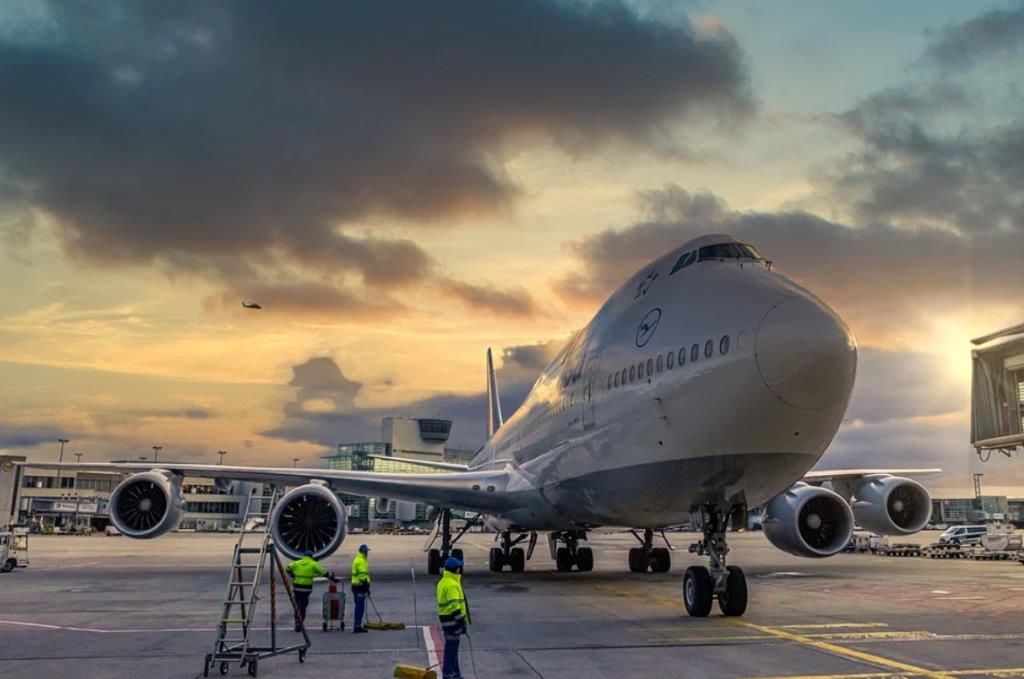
479	490
423	463
816	476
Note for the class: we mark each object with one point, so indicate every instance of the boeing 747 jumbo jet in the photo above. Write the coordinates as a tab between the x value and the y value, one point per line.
706	385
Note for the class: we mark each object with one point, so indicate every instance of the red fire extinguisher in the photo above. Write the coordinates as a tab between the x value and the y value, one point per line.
335	608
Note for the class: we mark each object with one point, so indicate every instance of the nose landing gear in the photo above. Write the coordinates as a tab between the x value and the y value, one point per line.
728	584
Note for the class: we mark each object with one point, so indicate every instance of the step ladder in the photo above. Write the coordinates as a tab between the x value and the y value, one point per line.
255	560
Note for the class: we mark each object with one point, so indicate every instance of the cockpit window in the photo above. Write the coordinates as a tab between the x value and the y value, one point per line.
728	251
686	260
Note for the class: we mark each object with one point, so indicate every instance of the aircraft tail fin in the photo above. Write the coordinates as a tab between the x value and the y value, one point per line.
494	418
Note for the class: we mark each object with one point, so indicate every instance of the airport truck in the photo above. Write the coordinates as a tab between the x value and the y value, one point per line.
13	550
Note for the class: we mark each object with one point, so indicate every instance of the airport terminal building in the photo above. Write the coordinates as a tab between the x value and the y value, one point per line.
401	437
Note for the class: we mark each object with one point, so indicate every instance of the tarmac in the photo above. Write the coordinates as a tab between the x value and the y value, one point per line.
108	606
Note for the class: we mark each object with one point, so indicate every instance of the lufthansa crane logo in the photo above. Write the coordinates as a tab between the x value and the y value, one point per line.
645	332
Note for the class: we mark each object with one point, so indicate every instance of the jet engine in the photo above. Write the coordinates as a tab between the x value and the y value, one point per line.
147	505
309	518
892	505
808	521
383	505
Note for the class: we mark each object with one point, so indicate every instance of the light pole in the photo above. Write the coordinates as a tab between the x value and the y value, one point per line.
61	460
295	462
156	452
78	457
222	453
78	493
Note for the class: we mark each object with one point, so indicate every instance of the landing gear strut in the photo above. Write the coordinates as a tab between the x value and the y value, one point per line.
725	583
571	554
647	556
510	555
443	530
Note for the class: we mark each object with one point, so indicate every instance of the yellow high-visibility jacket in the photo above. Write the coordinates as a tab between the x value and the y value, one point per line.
304	570
360	570
451	600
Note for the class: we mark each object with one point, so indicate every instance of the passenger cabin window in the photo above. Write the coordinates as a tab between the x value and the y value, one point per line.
661	362
640	371
623	375
670	359
694	353
682	357
632	373
723	345
728	251
709	349
616	379
650	367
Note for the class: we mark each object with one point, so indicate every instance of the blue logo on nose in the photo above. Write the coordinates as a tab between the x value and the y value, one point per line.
645	332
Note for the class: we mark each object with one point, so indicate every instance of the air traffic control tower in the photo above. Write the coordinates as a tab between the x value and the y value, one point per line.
997	392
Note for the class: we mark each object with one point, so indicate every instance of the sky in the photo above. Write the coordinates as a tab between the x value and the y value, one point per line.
402	185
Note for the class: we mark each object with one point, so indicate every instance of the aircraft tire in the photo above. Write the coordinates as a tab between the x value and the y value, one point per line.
563	560
661	560
495	560
434	562
698	591
585	559
638	561
517	560
733	601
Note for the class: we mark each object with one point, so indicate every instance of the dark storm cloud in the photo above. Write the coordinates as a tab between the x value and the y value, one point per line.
996	33
28	435
211	134
878	276
321	379
914	170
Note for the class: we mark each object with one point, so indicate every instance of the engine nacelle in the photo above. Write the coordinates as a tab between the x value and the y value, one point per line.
147	505
892	505
808	521
383	505
309	518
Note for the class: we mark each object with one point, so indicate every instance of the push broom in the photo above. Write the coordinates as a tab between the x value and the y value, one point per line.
381	623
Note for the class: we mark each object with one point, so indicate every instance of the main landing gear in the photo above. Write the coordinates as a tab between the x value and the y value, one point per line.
443	530
647	556
725	583
571	554
510	555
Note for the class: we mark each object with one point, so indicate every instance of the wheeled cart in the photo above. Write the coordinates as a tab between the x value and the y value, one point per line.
334	609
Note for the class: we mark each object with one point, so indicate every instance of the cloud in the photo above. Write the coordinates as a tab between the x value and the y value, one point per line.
878	276
901	385
192	413
240	140
916	169
28	435
512	302
959	46
334	416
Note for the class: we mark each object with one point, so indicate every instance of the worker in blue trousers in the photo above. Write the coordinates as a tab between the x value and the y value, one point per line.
360	586
453	612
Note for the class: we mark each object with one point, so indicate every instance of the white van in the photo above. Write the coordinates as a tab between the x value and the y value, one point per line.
963	535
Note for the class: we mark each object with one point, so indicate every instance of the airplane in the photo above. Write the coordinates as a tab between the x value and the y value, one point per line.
252	305
707	385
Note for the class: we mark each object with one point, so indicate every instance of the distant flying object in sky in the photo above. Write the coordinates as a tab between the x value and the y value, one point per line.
252	305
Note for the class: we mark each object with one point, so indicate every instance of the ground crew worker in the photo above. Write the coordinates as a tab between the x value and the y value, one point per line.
453	611
360	586
303	571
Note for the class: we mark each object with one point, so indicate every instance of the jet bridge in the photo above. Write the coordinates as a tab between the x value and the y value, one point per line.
997	392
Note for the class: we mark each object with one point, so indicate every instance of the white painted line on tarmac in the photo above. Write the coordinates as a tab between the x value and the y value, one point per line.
431	644
93	630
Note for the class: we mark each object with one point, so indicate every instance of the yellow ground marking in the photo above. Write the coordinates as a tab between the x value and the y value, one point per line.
842	651
1004	672
833	625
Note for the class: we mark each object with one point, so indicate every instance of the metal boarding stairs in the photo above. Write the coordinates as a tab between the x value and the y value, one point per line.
255	555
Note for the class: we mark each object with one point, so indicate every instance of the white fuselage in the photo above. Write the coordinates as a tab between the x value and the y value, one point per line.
723	382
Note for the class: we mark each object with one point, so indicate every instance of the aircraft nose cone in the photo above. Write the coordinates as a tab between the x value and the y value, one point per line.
805	353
